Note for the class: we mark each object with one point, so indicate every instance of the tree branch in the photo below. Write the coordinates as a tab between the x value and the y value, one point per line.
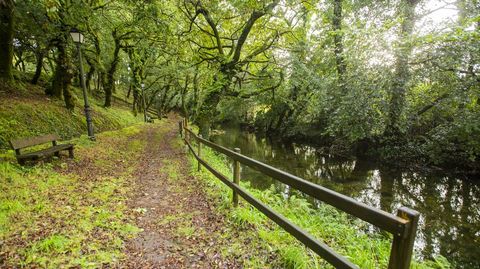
248	27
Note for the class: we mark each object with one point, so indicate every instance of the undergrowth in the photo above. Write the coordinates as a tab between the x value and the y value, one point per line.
345	235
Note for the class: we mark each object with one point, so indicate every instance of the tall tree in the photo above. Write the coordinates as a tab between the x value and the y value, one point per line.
62	78
227	51
6	38
406	13
338	44
110	75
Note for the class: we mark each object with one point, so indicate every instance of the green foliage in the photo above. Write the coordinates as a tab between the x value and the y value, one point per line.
376	72
345	235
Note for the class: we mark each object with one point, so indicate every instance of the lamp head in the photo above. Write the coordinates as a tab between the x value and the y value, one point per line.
76	36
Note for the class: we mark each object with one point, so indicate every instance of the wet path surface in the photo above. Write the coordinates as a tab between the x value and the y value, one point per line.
180	229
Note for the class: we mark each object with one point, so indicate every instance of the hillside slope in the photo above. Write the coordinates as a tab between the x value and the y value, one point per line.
30	112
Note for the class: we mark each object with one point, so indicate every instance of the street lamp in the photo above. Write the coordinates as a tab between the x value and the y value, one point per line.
144	105
78	39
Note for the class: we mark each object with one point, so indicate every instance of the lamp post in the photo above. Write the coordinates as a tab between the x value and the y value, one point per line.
144	105
78	39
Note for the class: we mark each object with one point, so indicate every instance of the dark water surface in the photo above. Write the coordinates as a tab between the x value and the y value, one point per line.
449	206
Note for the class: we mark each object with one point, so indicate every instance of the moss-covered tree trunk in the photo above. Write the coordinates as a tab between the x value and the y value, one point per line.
135	79
39	55
208	112
62	78
91	71
402	72
110	76
338	43
6	39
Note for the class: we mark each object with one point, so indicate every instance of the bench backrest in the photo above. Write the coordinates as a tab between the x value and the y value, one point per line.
33	141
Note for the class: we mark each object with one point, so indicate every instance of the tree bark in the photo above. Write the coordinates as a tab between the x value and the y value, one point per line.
208	111
183	97
62	78
39	55
6	39
338	43
90	73
135	80
110	83
402	72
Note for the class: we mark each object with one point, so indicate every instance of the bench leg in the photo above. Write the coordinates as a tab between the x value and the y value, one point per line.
70	153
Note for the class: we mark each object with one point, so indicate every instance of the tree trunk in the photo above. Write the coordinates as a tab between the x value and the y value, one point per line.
135	80
91	72
62	78
110	83
39	55
208	111
67	90
135	102
402	72
338	42
56	88
20	64
6	39
184	94
194	103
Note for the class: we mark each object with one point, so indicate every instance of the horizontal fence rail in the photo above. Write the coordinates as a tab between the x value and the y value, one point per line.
403	226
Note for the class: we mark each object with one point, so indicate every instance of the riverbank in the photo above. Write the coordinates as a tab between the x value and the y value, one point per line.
366	249
433	195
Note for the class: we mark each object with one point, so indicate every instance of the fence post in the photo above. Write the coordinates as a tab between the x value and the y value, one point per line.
236	177
180	128
402	245
185	134
185	126
199	152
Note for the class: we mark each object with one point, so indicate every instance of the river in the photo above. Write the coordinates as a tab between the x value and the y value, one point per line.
449	206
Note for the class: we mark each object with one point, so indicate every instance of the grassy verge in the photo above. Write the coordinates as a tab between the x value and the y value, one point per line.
70	213
30	114
348	237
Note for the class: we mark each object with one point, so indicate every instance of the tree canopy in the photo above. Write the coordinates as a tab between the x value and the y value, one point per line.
389	77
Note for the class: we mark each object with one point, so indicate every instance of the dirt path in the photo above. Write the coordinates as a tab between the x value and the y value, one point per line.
179	228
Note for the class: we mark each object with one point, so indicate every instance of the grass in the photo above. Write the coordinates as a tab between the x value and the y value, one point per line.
345	235
52	216
31	113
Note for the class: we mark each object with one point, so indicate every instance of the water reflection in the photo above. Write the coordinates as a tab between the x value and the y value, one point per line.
450	207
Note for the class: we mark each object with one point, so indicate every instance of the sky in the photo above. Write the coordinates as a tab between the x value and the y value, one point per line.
439	12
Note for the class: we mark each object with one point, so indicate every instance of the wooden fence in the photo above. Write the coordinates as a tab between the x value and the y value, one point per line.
403	226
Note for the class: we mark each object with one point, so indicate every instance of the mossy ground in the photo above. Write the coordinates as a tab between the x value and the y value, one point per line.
121	195
29	112
70	213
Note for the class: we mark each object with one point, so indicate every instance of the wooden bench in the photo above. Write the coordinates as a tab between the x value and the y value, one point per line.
19	144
